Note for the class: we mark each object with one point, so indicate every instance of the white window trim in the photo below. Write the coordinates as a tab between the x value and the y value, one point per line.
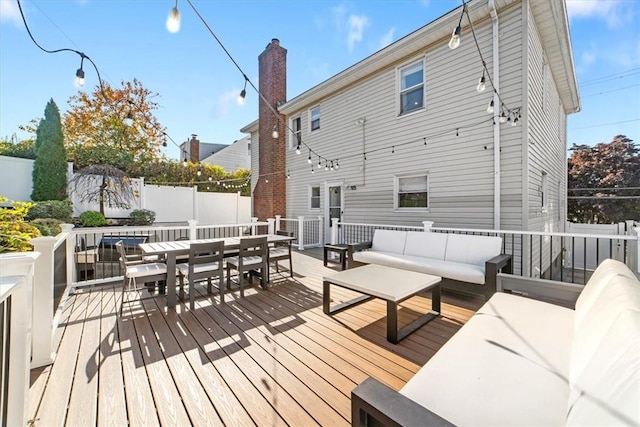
396	189
399	69
310	195
293	140
311	118
544	191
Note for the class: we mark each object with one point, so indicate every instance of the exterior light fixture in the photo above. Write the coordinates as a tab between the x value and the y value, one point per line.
80	74
173	21
275	134
455	36
243	93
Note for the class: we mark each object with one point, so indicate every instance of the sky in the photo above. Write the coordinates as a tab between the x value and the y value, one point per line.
197	84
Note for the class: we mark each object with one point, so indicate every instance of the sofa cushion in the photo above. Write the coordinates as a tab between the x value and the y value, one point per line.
389	241
607	269
426	244
607	392
619	294
450	270
504	367
469	249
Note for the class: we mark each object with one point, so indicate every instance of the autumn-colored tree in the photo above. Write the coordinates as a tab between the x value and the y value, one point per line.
113	120
50	167
603	182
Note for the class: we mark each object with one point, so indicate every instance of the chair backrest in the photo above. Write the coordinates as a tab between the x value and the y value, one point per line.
253	246
284	233
206	252
286	242
122	255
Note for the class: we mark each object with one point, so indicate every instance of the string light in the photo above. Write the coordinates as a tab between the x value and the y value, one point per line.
173	20
337	165
309	159
393	149
80	73
275	133
481	83
326	165
490	107
425	141
298	148
455	36
288	175
243	93
457	133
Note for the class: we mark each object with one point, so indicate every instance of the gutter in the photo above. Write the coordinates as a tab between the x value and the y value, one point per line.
496	102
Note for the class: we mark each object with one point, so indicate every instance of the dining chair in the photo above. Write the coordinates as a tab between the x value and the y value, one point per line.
253	256
205	262
281	251
135	271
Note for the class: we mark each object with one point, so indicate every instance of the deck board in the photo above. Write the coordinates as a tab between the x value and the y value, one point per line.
271	358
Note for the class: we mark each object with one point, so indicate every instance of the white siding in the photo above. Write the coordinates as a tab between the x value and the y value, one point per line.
233	156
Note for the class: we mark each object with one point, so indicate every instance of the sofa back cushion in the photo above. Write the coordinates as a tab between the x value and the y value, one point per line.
607	391
391	241
426	244
599	280
620	293
471	249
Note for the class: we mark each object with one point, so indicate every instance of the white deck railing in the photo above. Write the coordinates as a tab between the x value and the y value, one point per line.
308	232
548	255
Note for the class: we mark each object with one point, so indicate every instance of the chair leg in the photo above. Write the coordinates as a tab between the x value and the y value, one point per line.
192	294
291	265
181	288
241	283
228	277
221	285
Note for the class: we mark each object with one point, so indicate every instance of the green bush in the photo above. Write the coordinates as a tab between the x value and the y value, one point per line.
15	234
92	219
142	217
47	226
58	209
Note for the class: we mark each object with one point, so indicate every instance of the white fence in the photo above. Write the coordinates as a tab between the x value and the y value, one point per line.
171	204
584	251
308	232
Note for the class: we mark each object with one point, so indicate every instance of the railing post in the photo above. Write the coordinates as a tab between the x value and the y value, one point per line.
301	233
194	204
193	231
42	304
253	227
22	265
427	225
320	230
278	222
70	242
271	227
334	230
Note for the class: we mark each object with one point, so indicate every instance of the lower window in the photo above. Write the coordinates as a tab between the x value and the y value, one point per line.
412	192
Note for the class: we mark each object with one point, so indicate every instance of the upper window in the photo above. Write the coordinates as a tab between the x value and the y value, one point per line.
315	118
412	87
412	192
296	126
314	197
544	191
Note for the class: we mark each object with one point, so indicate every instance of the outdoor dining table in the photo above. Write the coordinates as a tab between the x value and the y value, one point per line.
171	250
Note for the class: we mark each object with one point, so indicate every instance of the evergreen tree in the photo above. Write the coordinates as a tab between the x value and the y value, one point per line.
50	167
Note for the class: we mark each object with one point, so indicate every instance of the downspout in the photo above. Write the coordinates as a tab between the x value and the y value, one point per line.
496	102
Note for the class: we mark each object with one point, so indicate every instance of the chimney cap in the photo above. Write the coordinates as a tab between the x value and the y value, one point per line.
275	41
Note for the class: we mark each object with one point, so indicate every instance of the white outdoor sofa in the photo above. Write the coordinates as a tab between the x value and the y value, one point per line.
521	361
467	263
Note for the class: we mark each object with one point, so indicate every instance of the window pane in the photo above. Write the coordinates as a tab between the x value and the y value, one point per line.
411	100
315	124
296	125
334	196
412	200
334	213
315	191
411	76
315	203
412	184
315	118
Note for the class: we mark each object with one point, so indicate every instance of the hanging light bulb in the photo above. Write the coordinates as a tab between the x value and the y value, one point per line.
331	165
129	119
312	171
275	133
298	149
337	165
326	165
514	122
173	21
80	74
490	107
199	173
210	179
319	164
481	85
503	117
243	93
288	175
455	38
309	159
185	162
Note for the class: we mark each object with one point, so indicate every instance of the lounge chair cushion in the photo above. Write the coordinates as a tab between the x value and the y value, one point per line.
469	249
198	268
426	244
391	241
142	270
503	354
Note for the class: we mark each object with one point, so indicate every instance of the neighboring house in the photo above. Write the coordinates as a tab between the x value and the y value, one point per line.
373	118
230	157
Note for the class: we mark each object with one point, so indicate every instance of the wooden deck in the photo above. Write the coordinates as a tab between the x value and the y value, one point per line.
271	358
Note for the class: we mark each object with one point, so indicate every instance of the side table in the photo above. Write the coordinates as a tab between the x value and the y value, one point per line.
341	250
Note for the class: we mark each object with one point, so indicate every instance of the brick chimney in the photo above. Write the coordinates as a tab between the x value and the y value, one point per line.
270	194
194	149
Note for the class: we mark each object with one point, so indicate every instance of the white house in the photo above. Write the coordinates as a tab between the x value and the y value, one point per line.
411	138
230	157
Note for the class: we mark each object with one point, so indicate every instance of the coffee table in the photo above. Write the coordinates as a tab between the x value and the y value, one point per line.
390	284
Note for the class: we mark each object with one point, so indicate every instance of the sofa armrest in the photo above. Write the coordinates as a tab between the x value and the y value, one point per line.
497	264
373	403
356	247
559	293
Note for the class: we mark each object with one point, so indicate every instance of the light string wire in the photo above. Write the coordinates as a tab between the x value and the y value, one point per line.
81	54
503	105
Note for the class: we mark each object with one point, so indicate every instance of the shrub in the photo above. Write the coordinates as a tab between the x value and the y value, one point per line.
58	209
142	217
14	232
92	219
47	226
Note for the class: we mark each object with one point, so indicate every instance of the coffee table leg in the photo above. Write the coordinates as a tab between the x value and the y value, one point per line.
435	299
392	322
326	300
395	335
